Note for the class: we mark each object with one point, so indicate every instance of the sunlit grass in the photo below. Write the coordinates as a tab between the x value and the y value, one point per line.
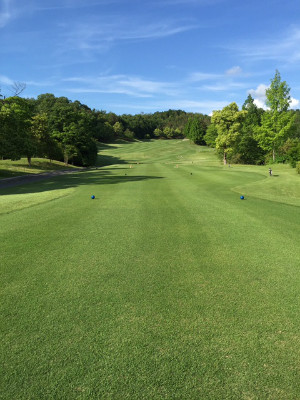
165	286
10	203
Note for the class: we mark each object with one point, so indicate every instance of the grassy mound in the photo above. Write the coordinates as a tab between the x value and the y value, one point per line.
20	167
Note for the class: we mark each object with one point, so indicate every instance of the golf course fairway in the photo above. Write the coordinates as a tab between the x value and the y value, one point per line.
166	285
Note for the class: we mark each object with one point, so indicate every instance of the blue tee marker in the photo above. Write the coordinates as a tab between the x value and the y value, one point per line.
92	197
242	197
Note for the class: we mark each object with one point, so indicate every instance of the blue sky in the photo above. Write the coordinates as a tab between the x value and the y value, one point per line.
132	56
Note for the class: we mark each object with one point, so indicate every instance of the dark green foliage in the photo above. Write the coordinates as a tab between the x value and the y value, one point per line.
197	130
140	124
16	138
196	127
60	129
295	131
246	149
187	127
128	135
211	135
290	151
53	127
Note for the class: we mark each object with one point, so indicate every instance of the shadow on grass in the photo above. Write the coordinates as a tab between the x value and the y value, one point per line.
11	174
73	180
104	160
22	169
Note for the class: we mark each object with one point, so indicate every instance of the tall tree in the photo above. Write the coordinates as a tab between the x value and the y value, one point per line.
16	139
278	94
211	135
228	124
246	149
277	122
197	130
187	127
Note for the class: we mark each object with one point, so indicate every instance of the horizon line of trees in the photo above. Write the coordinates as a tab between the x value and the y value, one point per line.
64	130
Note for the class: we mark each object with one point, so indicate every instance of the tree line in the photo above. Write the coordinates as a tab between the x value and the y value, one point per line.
256	136
60	129
64	130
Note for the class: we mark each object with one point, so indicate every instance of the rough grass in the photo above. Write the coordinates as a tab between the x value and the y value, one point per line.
166	286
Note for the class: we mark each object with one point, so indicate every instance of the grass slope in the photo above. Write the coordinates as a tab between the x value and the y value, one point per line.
166	286
10	168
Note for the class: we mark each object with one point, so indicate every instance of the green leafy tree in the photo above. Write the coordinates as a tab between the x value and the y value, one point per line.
103	131
45	144
197	130
158	133
16	139
228	124
118	128
246	149
187	127
278	94
211	135
169	132
290	151
177	133
128	134
72	126
107	132
7	133
277	122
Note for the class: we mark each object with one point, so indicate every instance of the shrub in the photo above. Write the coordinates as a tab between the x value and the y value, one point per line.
298	167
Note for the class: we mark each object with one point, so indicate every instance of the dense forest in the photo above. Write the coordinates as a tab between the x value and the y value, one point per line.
60	129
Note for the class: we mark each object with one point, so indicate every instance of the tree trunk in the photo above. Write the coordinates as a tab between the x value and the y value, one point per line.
225	159
29	160
273	154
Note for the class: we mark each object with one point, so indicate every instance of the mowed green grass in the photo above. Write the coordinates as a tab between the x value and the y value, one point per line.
166	286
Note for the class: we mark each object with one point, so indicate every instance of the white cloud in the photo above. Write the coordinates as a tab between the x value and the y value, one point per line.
259	103
259	95
285	47
5	80
218	82
224	86
294	102
101	34
122	84
259	92
234	71
203	76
